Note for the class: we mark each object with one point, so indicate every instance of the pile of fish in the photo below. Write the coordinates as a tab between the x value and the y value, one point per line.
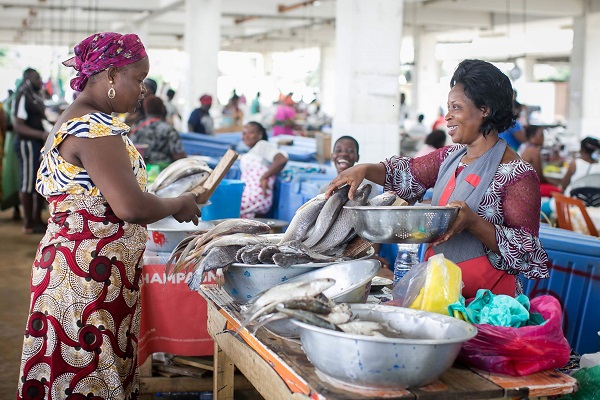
180	176
321	231
305	302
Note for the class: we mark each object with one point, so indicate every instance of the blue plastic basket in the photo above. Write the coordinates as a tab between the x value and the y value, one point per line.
226	200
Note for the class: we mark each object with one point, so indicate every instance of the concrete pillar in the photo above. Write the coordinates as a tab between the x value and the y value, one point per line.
368	38
327	89
202	43
584	103
427	96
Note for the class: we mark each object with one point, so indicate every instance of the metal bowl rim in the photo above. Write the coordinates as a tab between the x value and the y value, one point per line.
191	230
378	339
392	208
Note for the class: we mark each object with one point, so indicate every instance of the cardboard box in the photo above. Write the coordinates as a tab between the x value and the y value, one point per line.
323	146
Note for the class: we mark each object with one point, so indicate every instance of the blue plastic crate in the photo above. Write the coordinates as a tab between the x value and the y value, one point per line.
575	281
204	148
226	201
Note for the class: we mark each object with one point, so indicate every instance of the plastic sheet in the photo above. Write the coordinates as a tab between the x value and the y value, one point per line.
520	351
429	286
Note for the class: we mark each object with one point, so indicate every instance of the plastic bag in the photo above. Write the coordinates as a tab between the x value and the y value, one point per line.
520	351
429	286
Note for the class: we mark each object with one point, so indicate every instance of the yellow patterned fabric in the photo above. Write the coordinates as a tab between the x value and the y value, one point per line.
56	176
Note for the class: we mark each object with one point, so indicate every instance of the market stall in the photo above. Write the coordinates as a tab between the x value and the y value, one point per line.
279	369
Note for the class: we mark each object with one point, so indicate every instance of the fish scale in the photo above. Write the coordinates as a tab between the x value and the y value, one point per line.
328	215
304	219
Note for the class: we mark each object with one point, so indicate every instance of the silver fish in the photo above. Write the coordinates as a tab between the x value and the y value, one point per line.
306	317
235	239
178	169
304	219
384	199
250	254
327	215
266	254
217	257
182	185
267	301
286	260
296	246
342	226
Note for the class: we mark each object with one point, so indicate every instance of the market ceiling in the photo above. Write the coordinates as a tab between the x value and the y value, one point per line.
273	25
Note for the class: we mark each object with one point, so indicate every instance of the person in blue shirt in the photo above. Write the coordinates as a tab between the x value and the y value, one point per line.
515	135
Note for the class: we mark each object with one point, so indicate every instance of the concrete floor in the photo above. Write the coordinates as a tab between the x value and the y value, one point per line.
17	253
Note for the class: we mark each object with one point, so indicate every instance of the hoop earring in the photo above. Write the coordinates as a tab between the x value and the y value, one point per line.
111	92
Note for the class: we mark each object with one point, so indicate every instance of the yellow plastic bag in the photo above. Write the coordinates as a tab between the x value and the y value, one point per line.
430	286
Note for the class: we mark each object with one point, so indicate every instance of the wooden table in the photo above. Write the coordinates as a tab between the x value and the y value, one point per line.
279	369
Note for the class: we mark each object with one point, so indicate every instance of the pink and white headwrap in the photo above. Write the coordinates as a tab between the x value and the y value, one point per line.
102	50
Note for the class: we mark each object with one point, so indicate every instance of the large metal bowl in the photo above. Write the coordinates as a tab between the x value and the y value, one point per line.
352	285
244	281
431	345
402	224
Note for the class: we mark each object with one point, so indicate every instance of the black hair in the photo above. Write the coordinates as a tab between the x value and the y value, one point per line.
420	118
436	138
590	145
486	86
530	131
151	85
29	72
170	93
154	105
261	129
348	138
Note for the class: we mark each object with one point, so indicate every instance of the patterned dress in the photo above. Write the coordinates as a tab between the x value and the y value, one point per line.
82	331
510	203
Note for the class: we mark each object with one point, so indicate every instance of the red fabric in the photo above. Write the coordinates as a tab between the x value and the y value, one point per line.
473	179
174	318
546	189
447	192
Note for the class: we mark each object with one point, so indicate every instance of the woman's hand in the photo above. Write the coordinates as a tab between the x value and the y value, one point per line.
353	176
189	210
465	219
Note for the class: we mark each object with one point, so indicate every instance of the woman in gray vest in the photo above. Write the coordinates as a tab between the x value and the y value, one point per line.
496	234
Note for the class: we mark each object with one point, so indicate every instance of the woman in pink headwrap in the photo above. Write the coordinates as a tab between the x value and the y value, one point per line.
82	331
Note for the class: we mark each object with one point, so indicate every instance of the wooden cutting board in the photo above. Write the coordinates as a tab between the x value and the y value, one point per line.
204	191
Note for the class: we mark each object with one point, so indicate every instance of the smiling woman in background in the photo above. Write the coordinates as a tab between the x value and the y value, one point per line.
259	166
495	236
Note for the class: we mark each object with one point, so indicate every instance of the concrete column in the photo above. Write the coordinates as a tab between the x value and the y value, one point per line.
202	43
368	38
327	89
584	103
427	95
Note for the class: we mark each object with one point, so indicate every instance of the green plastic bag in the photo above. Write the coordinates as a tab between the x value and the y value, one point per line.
588	380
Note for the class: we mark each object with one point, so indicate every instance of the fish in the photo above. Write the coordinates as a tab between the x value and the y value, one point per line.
339	314
182	185
250	254
286	260
296	246
266	301
217	257
360	327
313	305
266	254
177	170
235	239
384	199
327	216
342	226
306	317
304	219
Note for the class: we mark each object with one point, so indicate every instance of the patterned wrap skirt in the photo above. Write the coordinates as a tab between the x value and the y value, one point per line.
84	316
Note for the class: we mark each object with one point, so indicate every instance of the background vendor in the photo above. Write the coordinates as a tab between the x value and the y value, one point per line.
496	234
259	166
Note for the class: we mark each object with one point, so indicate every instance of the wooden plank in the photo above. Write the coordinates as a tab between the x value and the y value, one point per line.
185	384
223	383
216	176
181	370
543	383
459	383
198	362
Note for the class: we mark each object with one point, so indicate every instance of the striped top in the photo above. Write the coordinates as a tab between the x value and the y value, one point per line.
56	176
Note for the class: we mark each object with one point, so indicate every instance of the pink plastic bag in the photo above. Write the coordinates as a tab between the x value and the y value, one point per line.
520	351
